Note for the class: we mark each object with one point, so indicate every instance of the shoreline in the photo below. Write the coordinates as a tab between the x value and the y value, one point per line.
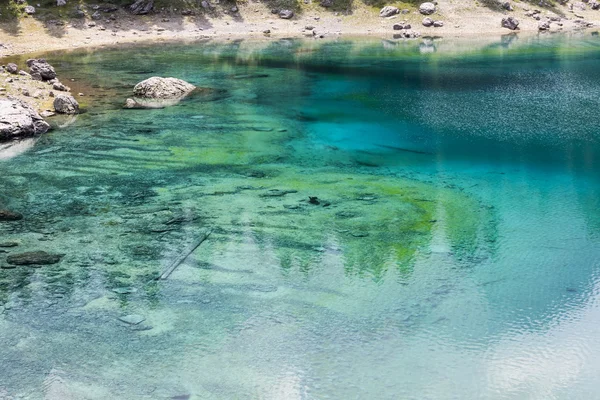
33	36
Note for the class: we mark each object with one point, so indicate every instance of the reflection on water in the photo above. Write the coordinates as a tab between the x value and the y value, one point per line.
389	220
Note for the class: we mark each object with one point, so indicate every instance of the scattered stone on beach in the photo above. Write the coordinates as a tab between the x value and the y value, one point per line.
7	215
438	24
427	22
427	8
286	14
507	6
388	11
132	319
12	68
401	25
66	104
34	258
40	69
18	119
163	88
544	25
407	34
510	23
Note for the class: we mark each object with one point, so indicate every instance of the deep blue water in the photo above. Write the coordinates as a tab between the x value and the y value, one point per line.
454	252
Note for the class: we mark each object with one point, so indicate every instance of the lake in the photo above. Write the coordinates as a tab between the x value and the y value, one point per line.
386	220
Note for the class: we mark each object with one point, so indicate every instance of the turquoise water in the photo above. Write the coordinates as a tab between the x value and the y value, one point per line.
453	253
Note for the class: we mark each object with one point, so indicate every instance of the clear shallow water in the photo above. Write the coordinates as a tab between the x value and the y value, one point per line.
454	252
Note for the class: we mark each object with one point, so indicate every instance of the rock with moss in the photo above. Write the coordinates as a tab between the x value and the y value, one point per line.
18	120
65	104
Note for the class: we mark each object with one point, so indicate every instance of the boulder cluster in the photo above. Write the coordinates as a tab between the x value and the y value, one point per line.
18	118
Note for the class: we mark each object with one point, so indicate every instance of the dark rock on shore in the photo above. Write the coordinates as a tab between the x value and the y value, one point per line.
34	258
7	215
40	70
65	104
142	7
510	23
18	119
12	68
286	14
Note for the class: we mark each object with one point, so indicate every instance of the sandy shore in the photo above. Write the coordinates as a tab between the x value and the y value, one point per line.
461	19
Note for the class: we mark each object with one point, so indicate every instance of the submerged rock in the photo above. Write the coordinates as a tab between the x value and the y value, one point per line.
65	104
132	319
7	215
18	119
34	258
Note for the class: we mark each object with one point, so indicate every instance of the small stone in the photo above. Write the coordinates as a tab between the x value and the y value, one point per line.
8	244
12	68
388	11
286	14
427	22
124	290
438	24
132	319
29	10
510	23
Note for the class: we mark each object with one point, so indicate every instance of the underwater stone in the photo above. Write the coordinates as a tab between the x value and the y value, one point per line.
34	258
313	200
132	319
124	290
277	193
9	244
7	215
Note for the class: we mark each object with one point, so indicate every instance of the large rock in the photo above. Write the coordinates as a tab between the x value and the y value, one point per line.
142	7
65	104
18	119
41	70
427	8
388	11
163	88
34	258
510	23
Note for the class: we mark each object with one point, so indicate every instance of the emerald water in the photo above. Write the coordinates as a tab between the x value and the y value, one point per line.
452	250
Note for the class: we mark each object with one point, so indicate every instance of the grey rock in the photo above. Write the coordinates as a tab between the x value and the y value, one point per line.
286	14
12	68
40	69
407	34
29	10
427	8
163	88
507	6
132	319
438	24
388	11
60	87
96	16
595	5
60	3
326	3
510	23
401	25
141	7
18	119
65	104
427	22
544	25
34	258
205	4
